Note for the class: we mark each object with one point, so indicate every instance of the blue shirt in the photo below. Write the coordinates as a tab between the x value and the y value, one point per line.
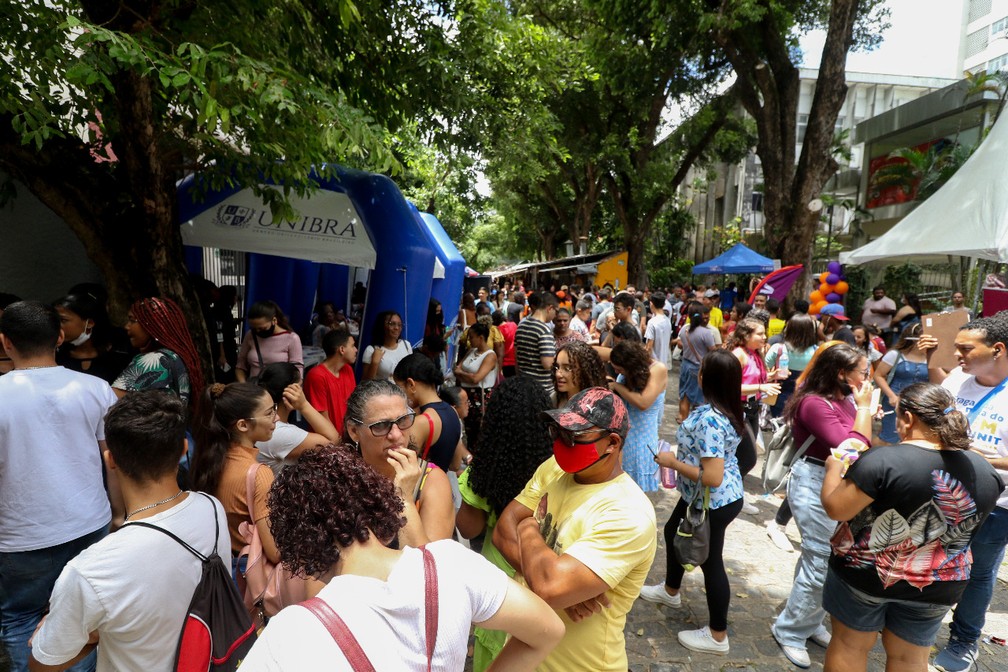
709	433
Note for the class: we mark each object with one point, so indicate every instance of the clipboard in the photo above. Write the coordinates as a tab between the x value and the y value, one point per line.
944	327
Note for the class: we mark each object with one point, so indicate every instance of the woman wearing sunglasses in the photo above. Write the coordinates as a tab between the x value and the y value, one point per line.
377	425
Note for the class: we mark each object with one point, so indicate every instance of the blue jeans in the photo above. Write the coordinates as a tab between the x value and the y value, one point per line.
26	581
803	613
988	547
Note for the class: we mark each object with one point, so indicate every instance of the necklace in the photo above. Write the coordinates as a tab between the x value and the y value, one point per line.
151	506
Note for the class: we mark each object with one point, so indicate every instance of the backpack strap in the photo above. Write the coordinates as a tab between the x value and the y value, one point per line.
339	631
203	558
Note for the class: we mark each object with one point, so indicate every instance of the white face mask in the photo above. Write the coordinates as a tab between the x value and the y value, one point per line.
83	338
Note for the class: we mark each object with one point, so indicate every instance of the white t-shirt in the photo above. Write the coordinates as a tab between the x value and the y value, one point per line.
990	428
387	617
472	363
133	587
389	360
286	437
659	330
51	492
578	325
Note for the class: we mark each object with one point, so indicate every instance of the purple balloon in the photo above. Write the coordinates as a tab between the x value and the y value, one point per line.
833	297
833	267
832	279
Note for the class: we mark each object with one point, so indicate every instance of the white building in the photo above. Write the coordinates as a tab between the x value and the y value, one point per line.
984	45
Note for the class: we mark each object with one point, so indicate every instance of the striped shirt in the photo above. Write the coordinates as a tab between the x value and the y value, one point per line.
533	341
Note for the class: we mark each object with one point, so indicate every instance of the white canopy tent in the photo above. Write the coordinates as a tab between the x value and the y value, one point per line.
967	216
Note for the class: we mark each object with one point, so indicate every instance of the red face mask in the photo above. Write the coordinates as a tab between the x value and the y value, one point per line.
578	457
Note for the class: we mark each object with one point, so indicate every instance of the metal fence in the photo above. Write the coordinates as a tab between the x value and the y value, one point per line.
227	267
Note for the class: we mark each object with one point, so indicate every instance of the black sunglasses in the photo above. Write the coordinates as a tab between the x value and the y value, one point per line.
383	427
571	438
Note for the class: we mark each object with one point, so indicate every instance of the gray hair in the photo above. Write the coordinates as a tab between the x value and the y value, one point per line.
362	396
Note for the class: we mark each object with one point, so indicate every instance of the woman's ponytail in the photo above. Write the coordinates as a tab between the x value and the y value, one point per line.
935	407
219	408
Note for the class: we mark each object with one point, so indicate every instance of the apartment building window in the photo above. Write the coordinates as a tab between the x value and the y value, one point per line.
997	64
979	9
976	42
801	127
999	27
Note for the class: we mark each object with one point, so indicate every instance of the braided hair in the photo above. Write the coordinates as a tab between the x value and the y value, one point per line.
164	322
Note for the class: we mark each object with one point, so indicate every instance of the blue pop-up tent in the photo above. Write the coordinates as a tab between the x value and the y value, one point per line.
447	286
353	219
738	259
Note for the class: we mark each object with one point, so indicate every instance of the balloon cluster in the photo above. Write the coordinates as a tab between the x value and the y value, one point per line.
832	287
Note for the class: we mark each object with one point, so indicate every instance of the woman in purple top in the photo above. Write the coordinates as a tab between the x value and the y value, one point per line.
831	406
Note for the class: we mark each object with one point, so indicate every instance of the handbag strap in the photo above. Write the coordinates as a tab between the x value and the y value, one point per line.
339	631
689	342
892	371
430	436
255	340
430	603
348	643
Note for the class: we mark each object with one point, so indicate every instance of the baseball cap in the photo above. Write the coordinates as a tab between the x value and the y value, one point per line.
593	407
834	310
710	293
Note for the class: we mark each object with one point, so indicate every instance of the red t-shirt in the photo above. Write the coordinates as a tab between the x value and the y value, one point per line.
329	393
508	330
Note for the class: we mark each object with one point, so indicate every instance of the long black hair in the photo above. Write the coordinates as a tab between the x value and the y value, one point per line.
721	382
221	406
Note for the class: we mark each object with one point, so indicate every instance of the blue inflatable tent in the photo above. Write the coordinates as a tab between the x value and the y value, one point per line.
355	219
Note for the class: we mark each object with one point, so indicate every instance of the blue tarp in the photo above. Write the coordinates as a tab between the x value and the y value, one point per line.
739	259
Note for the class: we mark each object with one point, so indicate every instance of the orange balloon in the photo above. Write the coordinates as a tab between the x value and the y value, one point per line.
816	296
841	287
814	309
823	276
826	289
821	304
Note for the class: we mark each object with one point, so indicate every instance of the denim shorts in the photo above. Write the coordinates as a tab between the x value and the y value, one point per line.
914	622
689	385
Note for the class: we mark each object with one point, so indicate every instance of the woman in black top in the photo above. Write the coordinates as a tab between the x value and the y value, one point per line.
436	434
86	347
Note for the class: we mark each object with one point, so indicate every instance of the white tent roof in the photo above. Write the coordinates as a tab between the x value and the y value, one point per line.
967	216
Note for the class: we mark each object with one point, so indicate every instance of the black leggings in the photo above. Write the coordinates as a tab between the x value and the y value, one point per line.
715	577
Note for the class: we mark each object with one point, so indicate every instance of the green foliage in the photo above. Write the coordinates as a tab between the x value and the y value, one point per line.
918	173
859	283
680	271
899	280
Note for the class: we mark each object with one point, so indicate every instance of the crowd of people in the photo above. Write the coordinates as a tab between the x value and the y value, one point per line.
536	442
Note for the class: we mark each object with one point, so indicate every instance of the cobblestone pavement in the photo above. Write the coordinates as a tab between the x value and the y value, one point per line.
760	575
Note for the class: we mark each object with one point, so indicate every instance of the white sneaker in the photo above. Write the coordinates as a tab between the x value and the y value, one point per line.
657	593
778	537
821	636
702	640
796	655
749	509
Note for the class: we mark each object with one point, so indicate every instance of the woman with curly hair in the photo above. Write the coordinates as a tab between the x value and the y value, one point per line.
577	367
377	423
333	518
641	384
515	442
168	359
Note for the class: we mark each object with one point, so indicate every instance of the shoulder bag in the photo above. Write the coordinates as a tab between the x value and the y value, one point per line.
266	587
892	371
348	643
692	539
255	341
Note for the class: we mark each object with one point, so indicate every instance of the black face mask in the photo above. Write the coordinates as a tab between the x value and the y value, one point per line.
265	333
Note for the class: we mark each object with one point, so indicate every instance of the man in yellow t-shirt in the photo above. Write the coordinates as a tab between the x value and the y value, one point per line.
776	324
582	534
711	299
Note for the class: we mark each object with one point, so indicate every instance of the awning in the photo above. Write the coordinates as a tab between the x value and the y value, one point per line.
328	229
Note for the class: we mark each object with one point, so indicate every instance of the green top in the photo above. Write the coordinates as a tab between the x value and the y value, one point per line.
490	551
